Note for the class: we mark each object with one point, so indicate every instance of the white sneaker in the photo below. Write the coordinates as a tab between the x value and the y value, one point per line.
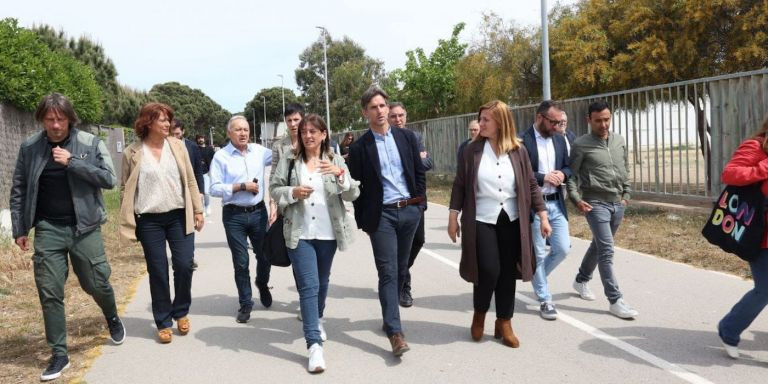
316	362
623	310
323	335
583	290
298	317
207	211
733	352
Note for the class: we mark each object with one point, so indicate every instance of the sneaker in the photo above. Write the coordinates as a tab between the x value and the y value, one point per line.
548	311
731	350
194	265
298	317
583	290
56	365
623	310
116	330
208	211
323	335
316	362
406	300
264	295
244	313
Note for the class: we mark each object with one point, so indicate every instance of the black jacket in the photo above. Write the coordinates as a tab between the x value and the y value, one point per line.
89	171
363	163
197	163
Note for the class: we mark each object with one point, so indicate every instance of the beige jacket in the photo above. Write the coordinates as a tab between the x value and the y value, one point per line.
130	180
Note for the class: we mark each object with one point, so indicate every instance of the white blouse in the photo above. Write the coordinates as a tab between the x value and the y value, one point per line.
317	220
159	186
495	187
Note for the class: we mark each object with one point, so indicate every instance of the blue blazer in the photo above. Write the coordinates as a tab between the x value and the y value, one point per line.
562	162
363	163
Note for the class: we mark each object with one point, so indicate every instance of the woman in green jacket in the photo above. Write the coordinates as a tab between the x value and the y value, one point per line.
309	186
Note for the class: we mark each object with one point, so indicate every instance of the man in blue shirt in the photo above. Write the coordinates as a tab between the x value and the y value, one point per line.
237	177
387	163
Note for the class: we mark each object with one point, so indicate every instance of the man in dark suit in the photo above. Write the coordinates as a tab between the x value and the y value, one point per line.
194	157
548	152
387	163
397	117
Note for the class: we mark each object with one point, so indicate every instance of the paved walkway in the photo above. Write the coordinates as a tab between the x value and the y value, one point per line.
672	341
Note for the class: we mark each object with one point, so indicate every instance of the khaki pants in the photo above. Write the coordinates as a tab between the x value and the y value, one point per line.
53	243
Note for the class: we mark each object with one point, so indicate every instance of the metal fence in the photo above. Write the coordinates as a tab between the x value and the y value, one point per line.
679	136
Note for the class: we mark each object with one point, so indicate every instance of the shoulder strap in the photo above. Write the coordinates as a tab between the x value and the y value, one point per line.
290	169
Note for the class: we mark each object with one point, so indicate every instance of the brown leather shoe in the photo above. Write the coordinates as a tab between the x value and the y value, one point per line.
183	325
505	333
164	335
399	346
478	325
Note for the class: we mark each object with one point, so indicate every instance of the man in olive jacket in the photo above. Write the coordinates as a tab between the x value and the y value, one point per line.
57	184
599	187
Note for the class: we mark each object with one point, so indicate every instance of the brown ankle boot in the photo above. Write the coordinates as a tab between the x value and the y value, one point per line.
478	323
505	333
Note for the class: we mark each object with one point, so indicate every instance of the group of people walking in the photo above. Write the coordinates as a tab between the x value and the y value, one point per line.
507	207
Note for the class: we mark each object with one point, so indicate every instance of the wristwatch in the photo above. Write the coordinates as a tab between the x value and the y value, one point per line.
242	186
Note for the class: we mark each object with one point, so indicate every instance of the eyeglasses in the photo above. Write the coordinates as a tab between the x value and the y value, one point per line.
554	122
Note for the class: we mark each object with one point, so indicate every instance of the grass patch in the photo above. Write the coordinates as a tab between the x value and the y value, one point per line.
673	236
24	353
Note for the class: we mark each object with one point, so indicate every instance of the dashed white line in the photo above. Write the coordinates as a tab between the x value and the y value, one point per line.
671	368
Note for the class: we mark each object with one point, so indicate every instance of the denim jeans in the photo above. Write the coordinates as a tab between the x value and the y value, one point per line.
746	310
391	249
153	231
560	243
311	261
207	190
240	227
603	220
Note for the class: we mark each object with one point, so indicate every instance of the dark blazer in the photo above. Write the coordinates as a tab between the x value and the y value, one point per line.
463	199
197	163
562	162
570	136
363	163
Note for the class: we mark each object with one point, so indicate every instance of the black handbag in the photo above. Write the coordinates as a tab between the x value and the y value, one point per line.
274	240
737	222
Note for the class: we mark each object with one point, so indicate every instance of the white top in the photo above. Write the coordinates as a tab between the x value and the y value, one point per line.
546	148
159	187
495	187
317	220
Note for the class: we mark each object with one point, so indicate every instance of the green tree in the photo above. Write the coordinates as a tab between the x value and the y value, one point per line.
351	73
274	98
198	111
30	70
429	82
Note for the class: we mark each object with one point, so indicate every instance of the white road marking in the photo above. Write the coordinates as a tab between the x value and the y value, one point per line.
671	368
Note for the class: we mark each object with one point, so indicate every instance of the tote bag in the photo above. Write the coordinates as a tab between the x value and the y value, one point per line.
274	241
737	221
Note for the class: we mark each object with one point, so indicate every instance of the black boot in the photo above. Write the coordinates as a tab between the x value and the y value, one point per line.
406	300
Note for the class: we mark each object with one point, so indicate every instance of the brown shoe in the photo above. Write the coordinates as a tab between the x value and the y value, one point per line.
478	324
164	335
505	333
183	325
399	346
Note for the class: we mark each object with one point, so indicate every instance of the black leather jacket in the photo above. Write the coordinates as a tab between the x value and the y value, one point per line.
90	169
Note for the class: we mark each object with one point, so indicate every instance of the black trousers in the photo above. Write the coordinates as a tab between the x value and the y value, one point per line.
498	256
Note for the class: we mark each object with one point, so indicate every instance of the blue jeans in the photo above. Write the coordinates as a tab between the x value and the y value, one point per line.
560	243
391	250
153	231
240	227
746	310
603	220
311	261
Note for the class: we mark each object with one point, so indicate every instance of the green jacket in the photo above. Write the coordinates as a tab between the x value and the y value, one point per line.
600	169
280	188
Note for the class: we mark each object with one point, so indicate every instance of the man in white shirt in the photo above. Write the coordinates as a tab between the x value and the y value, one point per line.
237	177
548	152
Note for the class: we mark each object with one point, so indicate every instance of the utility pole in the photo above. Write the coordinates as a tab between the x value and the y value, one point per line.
325	64
282	90
545	92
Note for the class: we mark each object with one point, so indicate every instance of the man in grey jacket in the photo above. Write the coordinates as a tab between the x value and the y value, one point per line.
57	184
600	188
397	117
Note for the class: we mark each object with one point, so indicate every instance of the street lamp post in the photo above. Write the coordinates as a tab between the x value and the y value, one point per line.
544	52
282	90
325	64
210	136
264	100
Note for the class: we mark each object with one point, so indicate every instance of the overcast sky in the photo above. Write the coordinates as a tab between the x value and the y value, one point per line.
230	49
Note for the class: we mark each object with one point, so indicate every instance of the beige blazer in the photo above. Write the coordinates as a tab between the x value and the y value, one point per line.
130	180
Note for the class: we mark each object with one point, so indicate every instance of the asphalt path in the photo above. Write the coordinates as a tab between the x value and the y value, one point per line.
673	340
